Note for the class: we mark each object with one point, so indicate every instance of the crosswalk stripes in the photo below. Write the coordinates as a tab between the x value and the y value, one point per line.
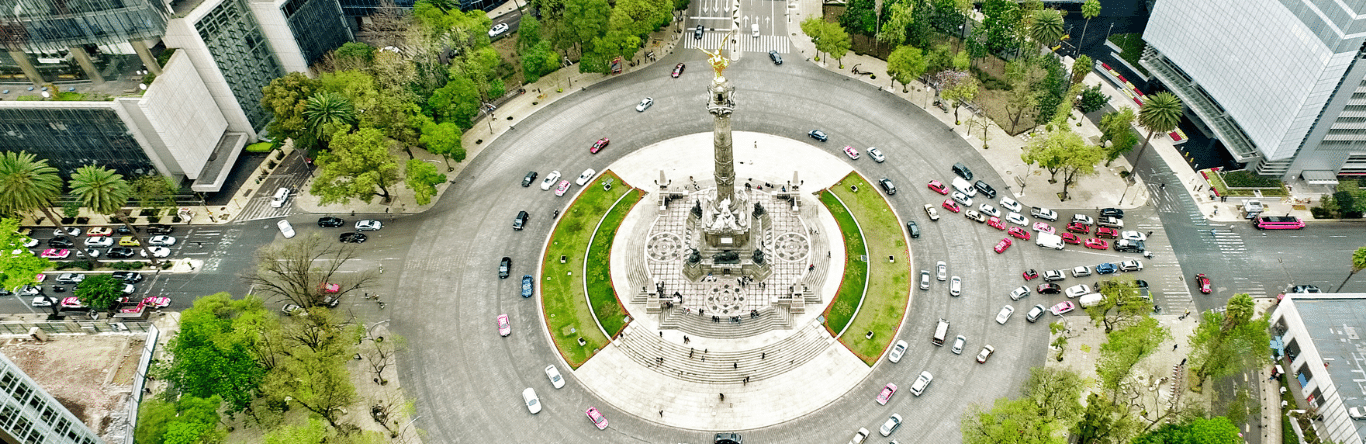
762	44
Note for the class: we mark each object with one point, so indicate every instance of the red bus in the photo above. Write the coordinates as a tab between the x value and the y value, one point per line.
1279	223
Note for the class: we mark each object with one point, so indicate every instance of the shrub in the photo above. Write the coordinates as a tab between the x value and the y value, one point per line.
1321	213
128	265
1246	179
84	265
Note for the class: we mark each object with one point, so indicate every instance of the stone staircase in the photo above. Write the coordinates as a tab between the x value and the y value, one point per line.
698	366
692	324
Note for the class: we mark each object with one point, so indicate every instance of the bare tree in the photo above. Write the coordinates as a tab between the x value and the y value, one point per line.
305	270
388	24
379	353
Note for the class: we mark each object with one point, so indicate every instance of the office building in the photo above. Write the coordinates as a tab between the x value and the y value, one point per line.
1279	84
30	414
1317	337
150	87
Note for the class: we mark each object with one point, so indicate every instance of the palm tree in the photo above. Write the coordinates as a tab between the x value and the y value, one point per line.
1089	10
28	183
1047	27
325	112
103	191
1358	264
1160	114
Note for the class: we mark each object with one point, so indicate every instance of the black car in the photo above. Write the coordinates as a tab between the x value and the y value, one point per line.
60	242
121	253
330	222
504	267
818	135
1112	212
962	171
985	189
520	221
914	229
530	177
123	230
777	59
887	186
352	238
131	277
1049	288
697	34
159	229
1305	289
527	285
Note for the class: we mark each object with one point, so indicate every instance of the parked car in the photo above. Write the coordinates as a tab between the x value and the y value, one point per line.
1131	265
162	241
913	229
1011	204
1133	235
1078	290
1030	274
887	186
1112	212
1018	293
498	29
533	403
985	188
160	229
1053	276
56	253
129	241
562	188
60	242
586	176
956	286
592	412
1048	288
996	223
941	271
1019	233
1044	227
1097	244
1079	228
962	171
157	252
1071	238
645	104
1081	271
528	285
1083	219
100	231
1112	222
519	222
1017	219
1106	233
1106	268
961	198
893	423
504	327
352	238
553	374
989	210
958	344
974	216
950	205
128	276
924	279
1044	213
504	267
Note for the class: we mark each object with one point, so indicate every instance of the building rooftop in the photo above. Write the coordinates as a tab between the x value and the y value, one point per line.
1335	325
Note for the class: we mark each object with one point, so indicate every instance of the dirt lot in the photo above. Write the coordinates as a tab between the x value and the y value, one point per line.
91	375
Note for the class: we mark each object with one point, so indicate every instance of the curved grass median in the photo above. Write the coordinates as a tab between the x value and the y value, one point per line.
567	313
888	283
841	310
606	305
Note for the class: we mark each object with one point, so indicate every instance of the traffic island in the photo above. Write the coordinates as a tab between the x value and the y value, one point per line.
873	294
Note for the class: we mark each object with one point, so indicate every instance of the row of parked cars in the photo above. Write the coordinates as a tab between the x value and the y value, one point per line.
63	243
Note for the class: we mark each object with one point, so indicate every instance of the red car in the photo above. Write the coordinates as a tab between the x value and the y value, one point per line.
1107	232
1203	282
1079	228
938	187
996	223
1071	238
1019	233
886	394
678	70
1097	244
1002	246
1029	274
599	145
950	205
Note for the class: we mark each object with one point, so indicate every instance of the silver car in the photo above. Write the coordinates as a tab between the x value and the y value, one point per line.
958	344
876	154
897	351
942	271
1004	314
645	104
924	280
956	286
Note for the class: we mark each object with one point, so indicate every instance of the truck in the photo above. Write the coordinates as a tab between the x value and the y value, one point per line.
1047	240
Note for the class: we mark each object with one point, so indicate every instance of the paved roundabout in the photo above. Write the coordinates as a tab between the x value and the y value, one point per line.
467	379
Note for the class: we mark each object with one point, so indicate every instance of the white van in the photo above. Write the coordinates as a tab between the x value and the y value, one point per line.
964	187
940	332
755	28
1048	240
1091	299
281	196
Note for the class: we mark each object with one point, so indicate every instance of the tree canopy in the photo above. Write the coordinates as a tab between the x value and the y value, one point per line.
357	164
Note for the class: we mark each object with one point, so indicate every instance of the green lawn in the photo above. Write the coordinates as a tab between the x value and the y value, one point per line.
1131	47
566	309
606	305
888	282
841	311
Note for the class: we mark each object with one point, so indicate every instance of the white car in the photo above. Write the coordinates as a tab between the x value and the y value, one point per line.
989	210
1011	204
986	352
554	375
958	344
585	177
921	383
962	198
1131	266
162	251
1004	314
285	228
99	242
956	286
897	351
1018	293
1082	218
941	271
1133	236
932	212
1081	271
645	104
162	241
1017	219
876	154
862	434
41	301
1077	291
532	402
1357	412
70	231
369	225
498	29
891	425
550	180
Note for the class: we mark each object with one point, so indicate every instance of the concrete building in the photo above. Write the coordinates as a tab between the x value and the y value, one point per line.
29	414
1318	340
1279	84
152	87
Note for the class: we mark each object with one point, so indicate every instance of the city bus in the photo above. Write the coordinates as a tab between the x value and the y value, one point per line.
1279	223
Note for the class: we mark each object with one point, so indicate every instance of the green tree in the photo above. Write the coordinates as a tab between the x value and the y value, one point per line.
1080	68
639	17
1079	162
1050	150
154	191
815	28
1116	128
1226	343
1092	99
1122	306
958	87
212	350
100	292
584	20
1126	347
1009	421
906	63
102	191
18	265
187	420
999	19
422	178
357	164
444	139
528	33
457	102
1055	393
312	372
1104	422
1161	113
539	60
1047	27
859	17
899	16
351	56
1358	264
27	184
286	98
836	42
1197	431
1089	10
328	113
